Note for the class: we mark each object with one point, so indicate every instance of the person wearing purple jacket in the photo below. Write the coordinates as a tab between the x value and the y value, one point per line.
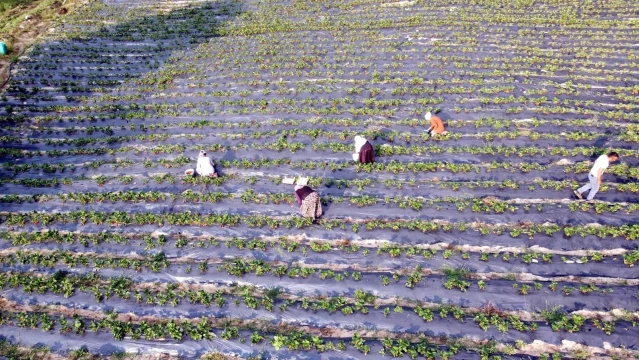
309	201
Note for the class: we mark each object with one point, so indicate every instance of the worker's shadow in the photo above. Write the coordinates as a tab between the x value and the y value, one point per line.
331	190
229	155
600	142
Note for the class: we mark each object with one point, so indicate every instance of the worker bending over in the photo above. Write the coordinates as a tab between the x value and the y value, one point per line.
436	124
595	174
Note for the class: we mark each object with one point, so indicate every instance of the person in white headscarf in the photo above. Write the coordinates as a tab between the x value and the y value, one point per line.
308	201
364	152
205	167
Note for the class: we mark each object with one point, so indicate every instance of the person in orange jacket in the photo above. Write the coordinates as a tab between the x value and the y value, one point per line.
436	124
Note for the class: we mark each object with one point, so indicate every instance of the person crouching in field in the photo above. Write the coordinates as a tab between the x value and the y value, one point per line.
205	167
595	174
308	201
364	152
436	124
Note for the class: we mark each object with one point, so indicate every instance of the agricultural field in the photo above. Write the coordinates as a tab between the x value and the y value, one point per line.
469	245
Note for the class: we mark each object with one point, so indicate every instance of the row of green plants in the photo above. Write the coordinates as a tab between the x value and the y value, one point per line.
454	278
301	88
337	104
515	106
364	183
283	337
314	61
281	53
260	105
282	56
283	243
298	56
495	123
362	302
372	107
360	43
373	39
345	135
122	218
154	263
481	122
477	205
395	167
316	182
124	179
385	108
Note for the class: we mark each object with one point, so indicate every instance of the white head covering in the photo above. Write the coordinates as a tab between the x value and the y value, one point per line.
428	116
297	187
359	142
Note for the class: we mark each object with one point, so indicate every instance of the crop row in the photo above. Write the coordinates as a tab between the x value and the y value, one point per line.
359	184
281	53
401	87
121	218
514	130
476	205
375	38
284	337
455	278
354	41
500	80
363	302
313	134
313	122
522	14
378	86
365	45
394	71
386	108
283	243
391	75
287	56
292	52
394	167
336	103
285	143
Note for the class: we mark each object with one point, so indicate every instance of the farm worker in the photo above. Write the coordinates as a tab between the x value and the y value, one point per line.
601	164
364	152
308	201
205	165
436	124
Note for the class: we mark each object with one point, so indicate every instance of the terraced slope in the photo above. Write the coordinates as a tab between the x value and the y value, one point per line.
464	246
